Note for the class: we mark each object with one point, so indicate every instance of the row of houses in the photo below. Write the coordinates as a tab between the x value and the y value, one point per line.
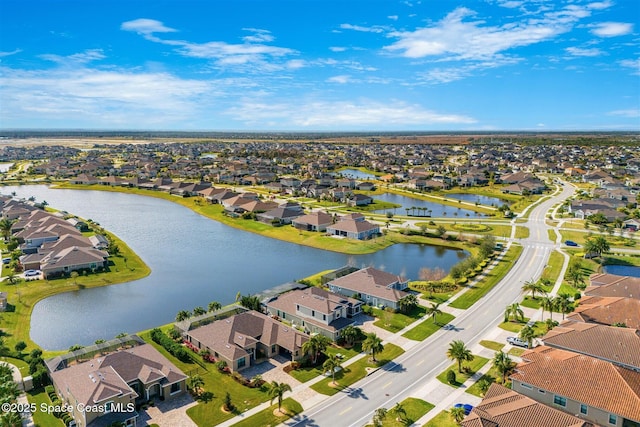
586	373
52	244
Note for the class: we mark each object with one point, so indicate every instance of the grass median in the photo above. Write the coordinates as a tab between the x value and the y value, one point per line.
427	327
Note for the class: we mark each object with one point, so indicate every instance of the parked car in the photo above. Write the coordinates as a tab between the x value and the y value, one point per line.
518	342
467	408
570	243
31	273
6	260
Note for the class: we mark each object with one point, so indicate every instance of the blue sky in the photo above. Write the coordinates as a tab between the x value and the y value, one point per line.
310	65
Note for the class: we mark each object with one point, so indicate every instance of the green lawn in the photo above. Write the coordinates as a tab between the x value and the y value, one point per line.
478	290
425	328
395	322
357	370
516	351
40	418
304	374
415	409
473	366
512	326
443	419
209	413
492	376
22	366
553	267
266	417
492	345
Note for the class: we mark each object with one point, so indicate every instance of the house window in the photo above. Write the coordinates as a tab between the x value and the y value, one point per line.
541	391
583	409
324	317
175	388
613	419
560	401
273	349
527	386
313	313
298	307
242	362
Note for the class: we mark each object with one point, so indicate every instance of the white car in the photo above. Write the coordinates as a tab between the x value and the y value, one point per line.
517	341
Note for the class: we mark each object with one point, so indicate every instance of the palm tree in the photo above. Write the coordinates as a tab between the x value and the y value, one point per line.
196	383
315	345
214	305
576	277
458	351
407	302
457	414
528	334
564	303
597	245
277	390
514	311
332	364
373	344
433	311
548	303
533	287
350	333
378	416
399	411
5	228
198	311
182	315
550	324
503	363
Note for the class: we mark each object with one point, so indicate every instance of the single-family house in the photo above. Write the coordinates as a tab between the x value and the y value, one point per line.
105	390
608	311
611	285
359	200
315	221
316	310
503	407
353	226
597	391
372	286
75	258
242	339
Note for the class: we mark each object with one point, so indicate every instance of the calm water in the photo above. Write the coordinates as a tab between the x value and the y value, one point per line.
622	270
193	260
356	174
437	209
475	198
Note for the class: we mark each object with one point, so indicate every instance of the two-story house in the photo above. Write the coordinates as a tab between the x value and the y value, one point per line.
316	310
372	286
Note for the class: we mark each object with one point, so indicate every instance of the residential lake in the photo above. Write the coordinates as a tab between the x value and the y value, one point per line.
356	174
194	260
476	198
622	270
437	209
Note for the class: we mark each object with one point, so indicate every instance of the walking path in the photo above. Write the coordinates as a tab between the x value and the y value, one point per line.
27	418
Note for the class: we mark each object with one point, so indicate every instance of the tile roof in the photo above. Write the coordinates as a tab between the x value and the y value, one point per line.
611	285
315	218
506	408
228	336
353	226
582	378
608	311
72	256
610	343
373	282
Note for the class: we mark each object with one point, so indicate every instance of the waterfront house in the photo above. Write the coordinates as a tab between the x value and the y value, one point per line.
104	390
316	310
611	285
595	390
242	339
353	226
75	258
608	311
315	221
359	200
372	286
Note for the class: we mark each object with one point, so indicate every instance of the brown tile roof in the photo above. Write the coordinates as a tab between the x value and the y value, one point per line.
75	255
582	378
351	226
610	343
608	311
315	218
373	282
106	377
228	336
506	408
611	285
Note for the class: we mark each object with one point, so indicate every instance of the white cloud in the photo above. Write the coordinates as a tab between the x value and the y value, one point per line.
339	79
146	26
511	4
460	37
612	29
337	48
600	5
374	29
393	17
77	58
630	113
13	52
576	51
258	36
634	64
341	114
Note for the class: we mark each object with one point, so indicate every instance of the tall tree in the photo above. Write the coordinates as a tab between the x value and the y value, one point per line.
503	364
407	303
372	344
458	351
548	303
457	414
564	303
214	305
332	364
198	311
182	315
350	334
528	334
277	390
379	415
5	227
533	287
433	311
597	245
400	412
314	346
513	311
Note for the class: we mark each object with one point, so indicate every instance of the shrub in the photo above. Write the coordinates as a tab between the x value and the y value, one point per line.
170	345
451	376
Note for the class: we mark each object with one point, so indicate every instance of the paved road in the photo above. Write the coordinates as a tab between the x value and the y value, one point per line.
400	379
